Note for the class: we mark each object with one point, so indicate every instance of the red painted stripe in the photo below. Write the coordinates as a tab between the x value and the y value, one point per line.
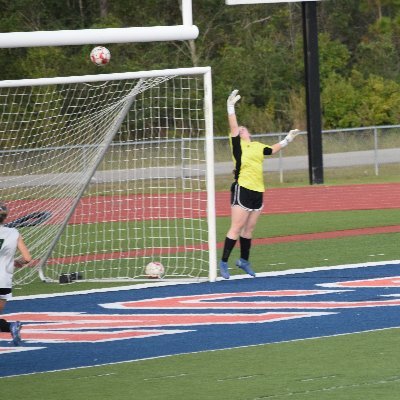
305	305
393	281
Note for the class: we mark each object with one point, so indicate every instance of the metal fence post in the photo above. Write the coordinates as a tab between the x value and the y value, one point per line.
280	162
376	151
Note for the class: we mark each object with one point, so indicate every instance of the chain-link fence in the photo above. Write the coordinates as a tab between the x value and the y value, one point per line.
347	153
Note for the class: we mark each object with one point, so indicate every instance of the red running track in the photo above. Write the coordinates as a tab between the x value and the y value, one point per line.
276	200
323	198
282	200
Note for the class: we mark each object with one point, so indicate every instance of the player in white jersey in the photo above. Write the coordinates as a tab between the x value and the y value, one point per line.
10	241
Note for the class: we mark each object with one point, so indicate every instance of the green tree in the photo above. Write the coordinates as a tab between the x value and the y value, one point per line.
340	100
380	102
333	56
377	53
255	48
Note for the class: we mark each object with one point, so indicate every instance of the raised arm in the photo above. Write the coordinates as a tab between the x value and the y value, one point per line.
283	143
230	104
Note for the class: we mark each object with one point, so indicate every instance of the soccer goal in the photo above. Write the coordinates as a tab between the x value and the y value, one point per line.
104	174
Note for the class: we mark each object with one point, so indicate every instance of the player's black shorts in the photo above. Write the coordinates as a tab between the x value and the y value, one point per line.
248	199
5	293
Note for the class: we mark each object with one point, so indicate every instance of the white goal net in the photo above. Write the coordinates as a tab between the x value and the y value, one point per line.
103	174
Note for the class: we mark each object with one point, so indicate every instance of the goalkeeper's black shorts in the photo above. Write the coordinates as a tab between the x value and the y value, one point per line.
248	199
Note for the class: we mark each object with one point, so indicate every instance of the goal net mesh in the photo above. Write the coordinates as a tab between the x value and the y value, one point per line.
103	177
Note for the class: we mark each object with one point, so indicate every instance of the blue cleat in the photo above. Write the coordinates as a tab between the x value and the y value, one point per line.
15	328
245	266
223	268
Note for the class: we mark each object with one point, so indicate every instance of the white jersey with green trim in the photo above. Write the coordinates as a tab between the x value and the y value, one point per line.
8	246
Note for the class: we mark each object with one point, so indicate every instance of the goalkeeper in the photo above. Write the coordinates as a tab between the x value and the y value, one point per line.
10	240
247	189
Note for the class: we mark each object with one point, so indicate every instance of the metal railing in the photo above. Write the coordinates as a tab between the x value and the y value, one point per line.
370	146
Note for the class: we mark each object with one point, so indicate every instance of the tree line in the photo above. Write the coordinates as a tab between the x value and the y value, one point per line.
255	48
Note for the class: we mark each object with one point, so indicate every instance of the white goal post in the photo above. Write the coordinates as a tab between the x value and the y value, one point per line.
186	31
106	173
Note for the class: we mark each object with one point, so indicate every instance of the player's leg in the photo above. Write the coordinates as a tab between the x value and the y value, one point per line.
239	217
253	201
13	327
245	242
2	303
4	324
251	222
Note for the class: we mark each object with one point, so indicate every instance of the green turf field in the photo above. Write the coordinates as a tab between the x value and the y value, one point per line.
362	366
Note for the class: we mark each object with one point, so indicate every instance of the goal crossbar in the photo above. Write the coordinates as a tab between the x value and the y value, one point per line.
106	77
186	31
98	36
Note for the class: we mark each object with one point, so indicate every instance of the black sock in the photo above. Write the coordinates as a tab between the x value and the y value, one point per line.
245	245
4	326
228	247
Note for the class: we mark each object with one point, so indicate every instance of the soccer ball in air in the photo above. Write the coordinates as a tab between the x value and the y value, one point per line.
154	270
100	56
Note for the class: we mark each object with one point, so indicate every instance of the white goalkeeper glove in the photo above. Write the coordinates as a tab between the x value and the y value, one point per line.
232	99
289	137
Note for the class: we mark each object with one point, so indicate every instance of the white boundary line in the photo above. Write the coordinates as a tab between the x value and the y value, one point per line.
236	277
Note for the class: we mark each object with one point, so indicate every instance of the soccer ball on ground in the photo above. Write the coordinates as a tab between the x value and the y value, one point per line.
154	270
100	56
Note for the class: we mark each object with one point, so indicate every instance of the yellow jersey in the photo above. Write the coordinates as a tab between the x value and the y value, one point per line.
248	158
